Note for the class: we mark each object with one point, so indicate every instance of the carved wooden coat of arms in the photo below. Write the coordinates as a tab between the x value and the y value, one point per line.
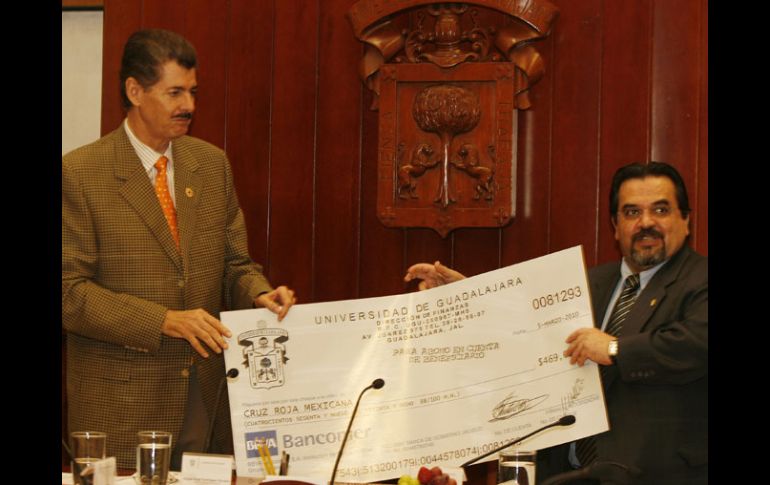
447	81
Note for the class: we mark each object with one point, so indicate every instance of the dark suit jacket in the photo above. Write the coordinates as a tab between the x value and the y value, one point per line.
121	271
657	394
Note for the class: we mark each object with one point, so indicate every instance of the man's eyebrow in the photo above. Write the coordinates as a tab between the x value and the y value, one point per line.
657	202
182	88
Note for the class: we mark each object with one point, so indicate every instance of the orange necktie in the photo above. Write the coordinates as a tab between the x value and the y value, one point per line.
161	189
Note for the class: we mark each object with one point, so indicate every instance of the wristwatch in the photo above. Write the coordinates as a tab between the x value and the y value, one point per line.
612	349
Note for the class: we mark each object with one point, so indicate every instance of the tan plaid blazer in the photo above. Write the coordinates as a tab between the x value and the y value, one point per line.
121	271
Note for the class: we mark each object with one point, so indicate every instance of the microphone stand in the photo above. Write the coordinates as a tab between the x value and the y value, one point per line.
377	384
210	432
67	450
564	421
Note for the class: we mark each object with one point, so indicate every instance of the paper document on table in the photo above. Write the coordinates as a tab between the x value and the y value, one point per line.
467	367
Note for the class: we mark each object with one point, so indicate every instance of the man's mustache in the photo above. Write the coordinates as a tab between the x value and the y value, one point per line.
648	232
183	116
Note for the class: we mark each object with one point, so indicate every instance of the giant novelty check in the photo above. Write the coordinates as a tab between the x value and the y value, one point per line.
467	366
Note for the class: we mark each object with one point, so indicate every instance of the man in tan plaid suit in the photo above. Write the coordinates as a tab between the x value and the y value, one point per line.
143	339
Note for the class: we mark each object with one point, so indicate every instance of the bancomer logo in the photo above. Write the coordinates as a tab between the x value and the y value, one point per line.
332	437
257	437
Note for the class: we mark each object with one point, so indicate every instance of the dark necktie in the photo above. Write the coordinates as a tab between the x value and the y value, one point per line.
623	306
585	449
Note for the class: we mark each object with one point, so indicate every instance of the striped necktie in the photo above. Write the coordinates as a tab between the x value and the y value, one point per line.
585	449
623	306
161	189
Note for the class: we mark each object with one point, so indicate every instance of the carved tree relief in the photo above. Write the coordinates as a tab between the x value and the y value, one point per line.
447	111
447	78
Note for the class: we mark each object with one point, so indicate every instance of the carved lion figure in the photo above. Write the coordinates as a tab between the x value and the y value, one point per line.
471	164
419	162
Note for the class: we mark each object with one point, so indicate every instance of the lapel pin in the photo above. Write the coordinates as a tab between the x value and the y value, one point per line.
188	192
653	302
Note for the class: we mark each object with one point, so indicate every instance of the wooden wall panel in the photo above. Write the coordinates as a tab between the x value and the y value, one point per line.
575	152
476	250
625	80
527	236
206	28
121	19
701	203
625	104
163	14
426	245
248	110
293	143
675	88
382	252
338	164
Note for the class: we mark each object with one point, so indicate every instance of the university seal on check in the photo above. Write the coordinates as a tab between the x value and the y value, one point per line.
265	355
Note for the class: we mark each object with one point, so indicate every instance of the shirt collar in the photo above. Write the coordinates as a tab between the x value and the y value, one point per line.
147	155
644	276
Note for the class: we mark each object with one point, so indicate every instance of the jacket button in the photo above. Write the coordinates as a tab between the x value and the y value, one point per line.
180	283
185	372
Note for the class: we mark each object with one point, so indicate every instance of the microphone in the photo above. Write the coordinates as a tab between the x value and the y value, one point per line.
609	472
563	421
376	384
210	431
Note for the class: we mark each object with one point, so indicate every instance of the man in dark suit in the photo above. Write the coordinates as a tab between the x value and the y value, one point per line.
153	243
652	348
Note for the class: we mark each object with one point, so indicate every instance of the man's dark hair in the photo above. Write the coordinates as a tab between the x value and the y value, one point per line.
146	51
653	169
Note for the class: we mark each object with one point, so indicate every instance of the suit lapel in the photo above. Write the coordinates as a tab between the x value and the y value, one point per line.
187	187
140	194
654	293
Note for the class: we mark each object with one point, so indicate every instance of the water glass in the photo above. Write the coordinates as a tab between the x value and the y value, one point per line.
87	447
518	465
153	457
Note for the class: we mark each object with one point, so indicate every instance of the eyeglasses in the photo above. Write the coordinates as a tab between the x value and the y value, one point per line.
635	213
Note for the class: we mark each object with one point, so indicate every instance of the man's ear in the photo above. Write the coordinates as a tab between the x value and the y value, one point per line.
134	91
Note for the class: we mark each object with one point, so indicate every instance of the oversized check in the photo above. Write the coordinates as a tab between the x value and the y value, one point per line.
467	366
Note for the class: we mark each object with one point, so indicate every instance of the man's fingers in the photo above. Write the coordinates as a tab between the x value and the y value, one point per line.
216	329
574	353
197	327
418	271
574	335
197	346
210	330
283	310
278	301
443	270
569	350
203	333
287	300
215	341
